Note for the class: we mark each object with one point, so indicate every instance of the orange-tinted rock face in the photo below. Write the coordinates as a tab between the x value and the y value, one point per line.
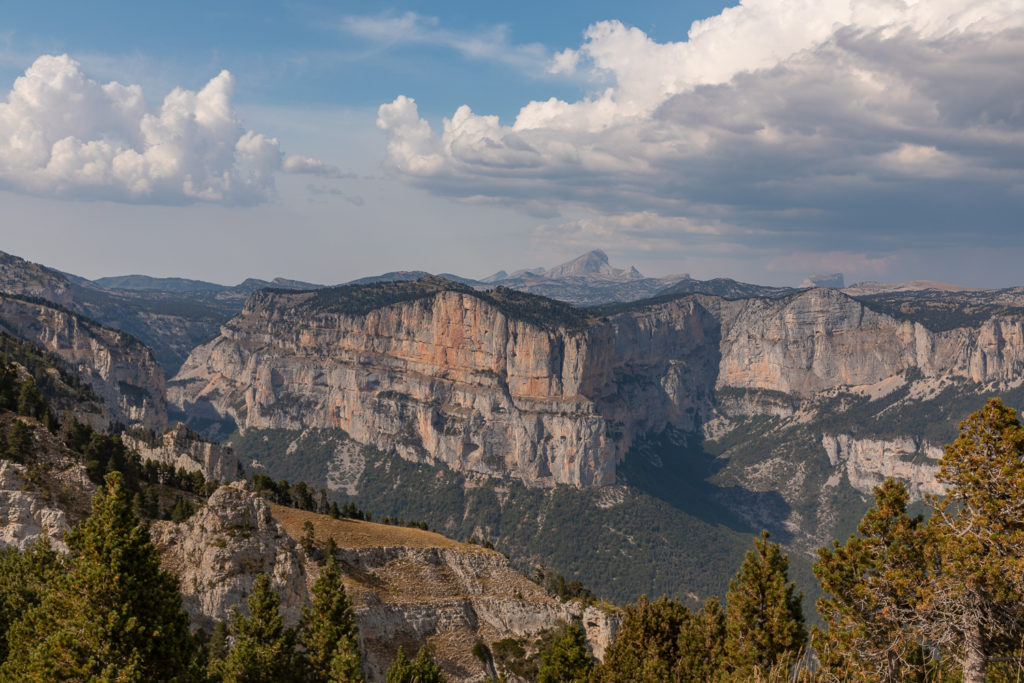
451	378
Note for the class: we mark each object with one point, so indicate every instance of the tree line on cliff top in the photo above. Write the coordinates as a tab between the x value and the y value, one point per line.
906	599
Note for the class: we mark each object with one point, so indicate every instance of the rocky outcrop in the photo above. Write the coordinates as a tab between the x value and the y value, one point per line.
218	552
117	367
867	463
24	514
409	587
182	448
821	339
48	493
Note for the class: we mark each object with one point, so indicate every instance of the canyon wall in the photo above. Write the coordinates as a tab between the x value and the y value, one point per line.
454	378
117	367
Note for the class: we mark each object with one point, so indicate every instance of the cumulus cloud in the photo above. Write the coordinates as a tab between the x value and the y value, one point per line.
802	118
66	134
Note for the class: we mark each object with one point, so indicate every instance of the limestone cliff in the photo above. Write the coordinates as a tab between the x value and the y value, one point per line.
24	278
456	377
184	449
118	368
869	462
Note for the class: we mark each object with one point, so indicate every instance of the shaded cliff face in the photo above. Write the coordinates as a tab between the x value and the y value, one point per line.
118	368
452	378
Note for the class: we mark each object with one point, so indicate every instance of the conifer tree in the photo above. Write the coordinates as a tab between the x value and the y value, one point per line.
701	644
328	631
115	615
764	621
646	645
567	659
871	584
973	601
423	669
24	579
263	650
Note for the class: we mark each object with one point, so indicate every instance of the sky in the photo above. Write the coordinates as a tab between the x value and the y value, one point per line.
326	141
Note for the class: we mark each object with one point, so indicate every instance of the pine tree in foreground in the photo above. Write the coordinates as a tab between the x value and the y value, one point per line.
646	645
764	621
871	586
567	659
263	649
115	615
328	631
24	579
972	605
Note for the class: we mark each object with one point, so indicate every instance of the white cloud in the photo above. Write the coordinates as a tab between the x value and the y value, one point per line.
793	116
490	44
297	163
66	134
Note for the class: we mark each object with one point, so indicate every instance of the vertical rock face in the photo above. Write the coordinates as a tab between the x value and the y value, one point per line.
869	462
454	377
118	368
218	552
184	449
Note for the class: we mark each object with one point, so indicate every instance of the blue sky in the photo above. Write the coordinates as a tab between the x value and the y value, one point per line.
328	141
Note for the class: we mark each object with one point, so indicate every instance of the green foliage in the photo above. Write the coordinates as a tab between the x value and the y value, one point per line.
569	590
182	509
764	618
646	646
217	646
263	650
54	379
701	644
567	657
328	630
358	300
24	579
871	584
939	311
423	669
114	615
973	601
16	441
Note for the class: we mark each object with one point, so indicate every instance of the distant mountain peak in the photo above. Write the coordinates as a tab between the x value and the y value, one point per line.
593	264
